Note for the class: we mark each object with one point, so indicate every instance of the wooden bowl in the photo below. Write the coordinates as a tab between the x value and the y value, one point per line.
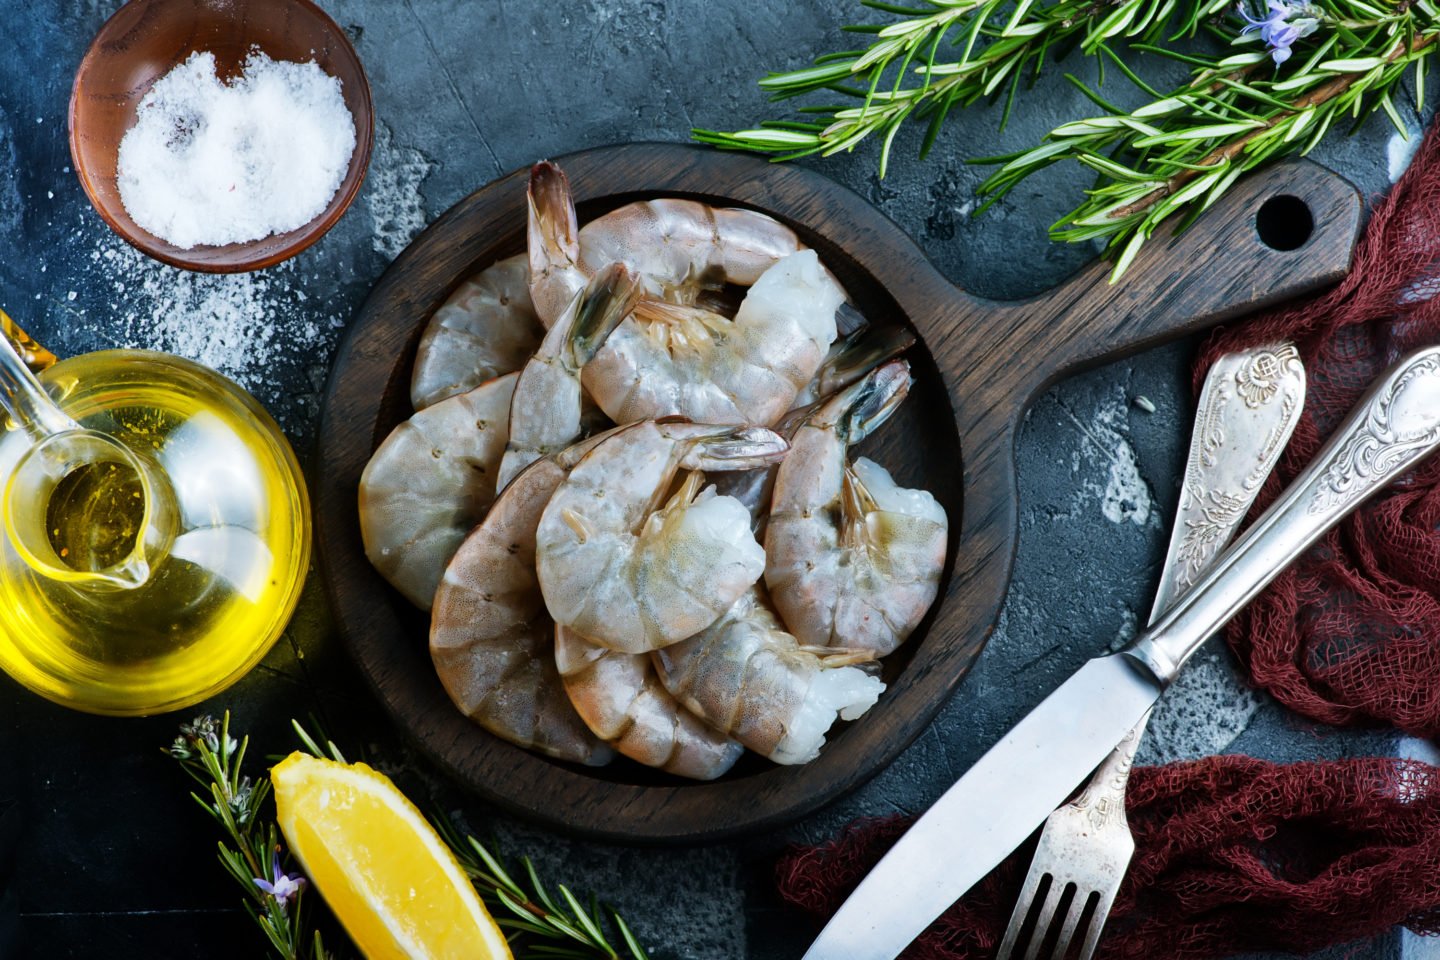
143	41
977	368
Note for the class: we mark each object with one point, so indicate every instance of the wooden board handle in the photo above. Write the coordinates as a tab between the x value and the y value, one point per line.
1282	232
1000	356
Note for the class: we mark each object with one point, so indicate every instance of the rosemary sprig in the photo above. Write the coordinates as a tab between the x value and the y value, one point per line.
575	930
1180	152
538	926
1174	155
996	54
253	848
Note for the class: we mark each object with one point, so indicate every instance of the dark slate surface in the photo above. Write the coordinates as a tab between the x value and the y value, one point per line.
116	862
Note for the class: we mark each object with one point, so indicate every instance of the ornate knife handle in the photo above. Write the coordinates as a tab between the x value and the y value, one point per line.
1394	426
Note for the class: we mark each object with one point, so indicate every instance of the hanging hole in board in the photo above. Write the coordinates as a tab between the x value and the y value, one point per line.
1284	223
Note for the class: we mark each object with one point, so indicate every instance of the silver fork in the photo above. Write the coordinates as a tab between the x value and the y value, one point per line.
1249	405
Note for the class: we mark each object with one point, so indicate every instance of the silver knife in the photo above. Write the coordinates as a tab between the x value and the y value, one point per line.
1009	791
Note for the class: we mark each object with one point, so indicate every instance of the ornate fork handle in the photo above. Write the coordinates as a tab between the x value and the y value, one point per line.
1393	427
1103	799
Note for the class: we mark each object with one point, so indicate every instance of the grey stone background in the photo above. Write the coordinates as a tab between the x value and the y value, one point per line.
117	861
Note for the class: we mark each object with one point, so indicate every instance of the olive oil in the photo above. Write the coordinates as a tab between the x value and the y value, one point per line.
221	580
94	516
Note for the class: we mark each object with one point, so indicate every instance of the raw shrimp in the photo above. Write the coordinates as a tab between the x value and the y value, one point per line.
430	482
491	639
486	329
545	412
633	578
673	356
747	677
623	702
852	560
679	360
864	349
679	248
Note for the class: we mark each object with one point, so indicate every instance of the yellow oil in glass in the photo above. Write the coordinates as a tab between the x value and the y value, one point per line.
95	515
226	579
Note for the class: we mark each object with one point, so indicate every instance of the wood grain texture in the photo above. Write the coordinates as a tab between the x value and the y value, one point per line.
978	367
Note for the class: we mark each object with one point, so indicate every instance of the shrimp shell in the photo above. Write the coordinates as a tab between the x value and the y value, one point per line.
430	482
623	702
486	329
747	677
852	560
493	643
681	247
669	360
546	409
633	578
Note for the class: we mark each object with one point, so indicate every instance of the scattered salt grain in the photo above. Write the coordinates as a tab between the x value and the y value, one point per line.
215	163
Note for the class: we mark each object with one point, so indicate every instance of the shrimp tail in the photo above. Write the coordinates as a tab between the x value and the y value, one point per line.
849	359
733	447
552	234
849	320
863	351
553	226
609	298
863	406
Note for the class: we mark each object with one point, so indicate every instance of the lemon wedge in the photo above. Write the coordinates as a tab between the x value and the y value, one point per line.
386	874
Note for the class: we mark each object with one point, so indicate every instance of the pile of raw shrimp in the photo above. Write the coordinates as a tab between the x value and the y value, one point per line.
604	439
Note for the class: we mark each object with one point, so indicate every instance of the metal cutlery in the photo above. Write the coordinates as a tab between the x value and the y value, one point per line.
1033	768
1249	405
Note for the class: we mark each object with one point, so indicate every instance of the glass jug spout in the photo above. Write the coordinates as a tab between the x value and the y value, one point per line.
79	506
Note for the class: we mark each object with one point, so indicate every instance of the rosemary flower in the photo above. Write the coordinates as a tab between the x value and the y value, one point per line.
282	886
1277	28
204	729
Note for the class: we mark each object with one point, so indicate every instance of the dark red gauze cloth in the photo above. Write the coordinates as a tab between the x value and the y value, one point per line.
1350	634
1232	854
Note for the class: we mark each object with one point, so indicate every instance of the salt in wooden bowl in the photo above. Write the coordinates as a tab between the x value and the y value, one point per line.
145	40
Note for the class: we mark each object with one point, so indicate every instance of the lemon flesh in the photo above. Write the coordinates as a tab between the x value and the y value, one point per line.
389	878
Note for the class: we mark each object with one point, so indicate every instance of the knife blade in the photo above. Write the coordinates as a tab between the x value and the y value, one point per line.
998	803
1034	767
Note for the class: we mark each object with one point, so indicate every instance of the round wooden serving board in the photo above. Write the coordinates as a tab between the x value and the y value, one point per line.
977	368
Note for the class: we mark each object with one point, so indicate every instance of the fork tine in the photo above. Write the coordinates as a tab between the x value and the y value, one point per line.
1023	903
1097	924
1072	920
1047	912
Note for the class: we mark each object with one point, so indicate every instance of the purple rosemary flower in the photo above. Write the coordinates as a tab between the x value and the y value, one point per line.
1282	25
283	887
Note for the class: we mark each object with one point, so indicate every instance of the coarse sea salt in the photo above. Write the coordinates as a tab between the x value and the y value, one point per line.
209	162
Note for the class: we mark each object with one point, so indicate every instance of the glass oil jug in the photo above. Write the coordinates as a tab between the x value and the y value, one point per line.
157	528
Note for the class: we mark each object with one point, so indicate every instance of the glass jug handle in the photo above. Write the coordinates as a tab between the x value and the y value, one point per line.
29	406
34	356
